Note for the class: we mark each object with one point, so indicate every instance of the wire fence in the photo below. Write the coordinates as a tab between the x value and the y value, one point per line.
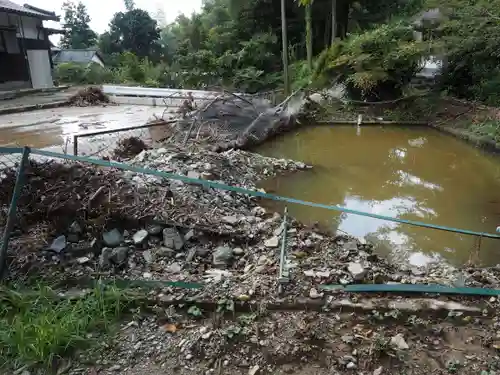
103	143
47	191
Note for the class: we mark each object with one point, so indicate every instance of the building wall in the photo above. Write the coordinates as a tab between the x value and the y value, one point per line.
29	49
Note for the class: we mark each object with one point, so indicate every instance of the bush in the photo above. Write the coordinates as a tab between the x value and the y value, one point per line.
70	73
375	65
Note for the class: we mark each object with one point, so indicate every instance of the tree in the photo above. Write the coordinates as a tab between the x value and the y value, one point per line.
308	4
135	31
77	32
129	5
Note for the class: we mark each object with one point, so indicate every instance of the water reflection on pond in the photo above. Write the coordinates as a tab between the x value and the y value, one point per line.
410	173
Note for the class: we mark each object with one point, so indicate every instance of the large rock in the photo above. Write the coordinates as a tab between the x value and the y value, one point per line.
222	256
154	230
398	342
75	228
119	255
231	220
105	257
272	242
357	270
113	238
140	236
148	257
174	268
59	244
172	238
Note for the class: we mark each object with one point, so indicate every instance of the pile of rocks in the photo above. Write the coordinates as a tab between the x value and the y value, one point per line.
182	231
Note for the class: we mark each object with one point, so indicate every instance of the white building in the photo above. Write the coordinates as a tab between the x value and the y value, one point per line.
25	60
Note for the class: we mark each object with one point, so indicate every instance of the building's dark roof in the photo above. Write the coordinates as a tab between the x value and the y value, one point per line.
27	10
82	56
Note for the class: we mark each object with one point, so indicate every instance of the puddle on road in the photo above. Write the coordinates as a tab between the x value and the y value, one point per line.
409	173
53	129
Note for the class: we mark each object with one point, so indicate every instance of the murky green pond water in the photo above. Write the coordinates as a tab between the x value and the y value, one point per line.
410	173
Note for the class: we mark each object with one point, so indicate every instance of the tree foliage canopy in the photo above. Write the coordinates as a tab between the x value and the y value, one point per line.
77	32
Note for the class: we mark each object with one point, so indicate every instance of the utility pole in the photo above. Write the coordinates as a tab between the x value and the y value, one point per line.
285	47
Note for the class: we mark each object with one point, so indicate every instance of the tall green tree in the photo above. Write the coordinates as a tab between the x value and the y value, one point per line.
308	4
77	32
135	31
129	5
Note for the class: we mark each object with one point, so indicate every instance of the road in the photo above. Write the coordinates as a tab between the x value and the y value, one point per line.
53	129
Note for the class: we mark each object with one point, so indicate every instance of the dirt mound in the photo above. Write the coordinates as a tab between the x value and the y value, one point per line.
129	147
92	95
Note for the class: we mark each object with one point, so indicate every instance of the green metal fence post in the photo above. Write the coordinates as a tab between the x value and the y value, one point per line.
283	275
11	216
75	144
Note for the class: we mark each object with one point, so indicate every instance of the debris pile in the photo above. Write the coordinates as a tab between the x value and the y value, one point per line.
88	96
110	223
129	147
235	122
297	343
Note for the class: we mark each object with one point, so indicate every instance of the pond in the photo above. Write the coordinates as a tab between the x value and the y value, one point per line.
413	173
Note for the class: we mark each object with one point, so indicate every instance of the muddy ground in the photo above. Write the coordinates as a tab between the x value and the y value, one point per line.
78	223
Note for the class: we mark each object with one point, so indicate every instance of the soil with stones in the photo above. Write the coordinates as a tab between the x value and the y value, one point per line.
78	223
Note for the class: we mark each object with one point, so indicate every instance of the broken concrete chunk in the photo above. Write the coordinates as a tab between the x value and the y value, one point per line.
105	257
165	252
323	274
83	260
119	255
172	239
190	255
193	174
113	238
314	294
140	236
238	251
351	246
357	270
231	220
174	268
75	228
59	244
254	370
154	230
378	371
222	256
189	235
272	242
148	257
398	342
310	273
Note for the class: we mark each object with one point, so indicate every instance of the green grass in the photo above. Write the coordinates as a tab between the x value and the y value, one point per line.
37	327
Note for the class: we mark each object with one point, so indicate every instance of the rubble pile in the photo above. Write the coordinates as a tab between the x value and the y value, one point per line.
96	223
92	95
297	343
129	147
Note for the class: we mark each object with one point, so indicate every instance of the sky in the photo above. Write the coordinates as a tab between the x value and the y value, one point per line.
101	11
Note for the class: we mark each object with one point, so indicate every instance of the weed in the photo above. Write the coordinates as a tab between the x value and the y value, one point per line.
195	311
38	327
380	346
